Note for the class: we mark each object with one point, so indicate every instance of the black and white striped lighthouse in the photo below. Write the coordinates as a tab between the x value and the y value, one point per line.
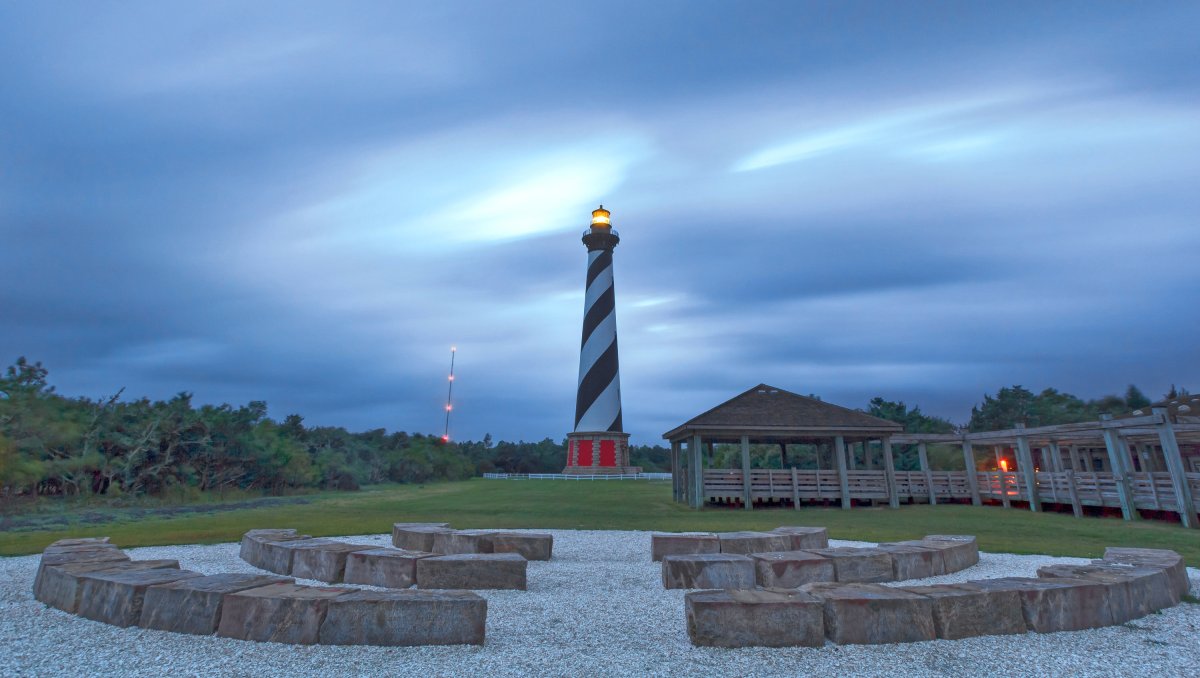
598	443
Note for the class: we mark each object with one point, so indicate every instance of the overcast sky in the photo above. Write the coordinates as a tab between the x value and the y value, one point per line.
308	204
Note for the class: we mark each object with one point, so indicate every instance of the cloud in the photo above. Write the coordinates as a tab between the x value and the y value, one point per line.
310	206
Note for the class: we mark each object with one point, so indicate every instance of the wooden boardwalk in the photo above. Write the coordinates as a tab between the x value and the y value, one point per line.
1151	491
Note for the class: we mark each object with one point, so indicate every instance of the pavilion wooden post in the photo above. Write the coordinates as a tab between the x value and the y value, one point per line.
924	459
1179	481
747	496
839	451
696	472
850	464
868	458
889	472
783	462
1118	458
1026	463
972	474
795	489
674	470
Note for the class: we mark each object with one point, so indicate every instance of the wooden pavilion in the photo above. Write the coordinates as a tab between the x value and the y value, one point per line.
769	415
1145	452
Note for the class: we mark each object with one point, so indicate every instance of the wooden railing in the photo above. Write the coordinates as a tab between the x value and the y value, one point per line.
1151	491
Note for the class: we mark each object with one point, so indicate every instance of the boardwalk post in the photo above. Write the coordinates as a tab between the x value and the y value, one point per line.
1056	463
840	452
1025	461
972	474
1004	500
1076	507
1118	458
924	459
1076	462
747	496
1152	458
889	472
1179	481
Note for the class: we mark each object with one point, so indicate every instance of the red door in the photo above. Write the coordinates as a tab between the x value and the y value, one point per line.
608	453
585	453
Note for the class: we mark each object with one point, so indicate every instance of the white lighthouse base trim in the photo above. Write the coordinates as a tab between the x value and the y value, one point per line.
598	453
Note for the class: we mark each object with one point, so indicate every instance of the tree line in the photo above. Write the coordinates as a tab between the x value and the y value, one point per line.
59	446
54	445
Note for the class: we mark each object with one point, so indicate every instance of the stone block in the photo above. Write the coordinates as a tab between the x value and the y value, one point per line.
405	618
682	544
253	548
324	562
458	542
790	569
79	541
63	555
60	584
193	605
1058	604
743	543
280	556
873	614
858	565
472	571
115	596
528	545
805	537
1166	559
1133	590
914	562
399	531
964	612
416	538
277	613
754	618
708	571
959	551
389	568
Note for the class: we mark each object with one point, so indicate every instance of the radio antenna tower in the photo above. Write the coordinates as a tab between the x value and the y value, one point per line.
449	393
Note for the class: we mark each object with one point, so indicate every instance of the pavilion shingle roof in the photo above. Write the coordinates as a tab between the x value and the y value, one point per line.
770	407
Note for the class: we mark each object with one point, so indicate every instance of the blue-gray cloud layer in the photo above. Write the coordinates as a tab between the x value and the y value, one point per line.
308	203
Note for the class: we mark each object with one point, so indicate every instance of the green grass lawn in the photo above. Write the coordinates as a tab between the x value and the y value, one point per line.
624	505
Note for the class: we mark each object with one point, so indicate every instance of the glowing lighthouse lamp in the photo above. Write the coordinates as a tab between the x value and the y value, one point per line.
599	445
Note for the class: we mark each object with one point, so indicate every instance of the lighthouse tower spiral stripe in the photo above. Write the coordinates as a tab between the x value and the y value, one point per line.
598	400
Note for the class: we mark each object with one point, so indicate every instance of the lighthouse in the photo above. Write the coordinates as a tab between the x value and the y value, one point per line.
599	444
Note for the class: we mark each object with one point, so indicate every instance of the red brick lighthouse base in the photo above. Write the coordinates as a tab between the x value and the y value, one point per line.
598	453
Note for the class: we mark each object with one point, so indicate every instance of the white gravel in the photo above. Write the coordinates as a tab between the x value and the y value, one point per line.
597	609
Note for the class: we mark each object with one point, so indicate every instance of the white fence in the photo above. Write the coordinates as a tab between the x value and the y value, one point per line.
561	476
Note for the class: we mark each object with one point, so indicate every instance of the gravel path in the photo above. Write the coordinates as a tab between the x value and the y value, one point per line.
597	609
